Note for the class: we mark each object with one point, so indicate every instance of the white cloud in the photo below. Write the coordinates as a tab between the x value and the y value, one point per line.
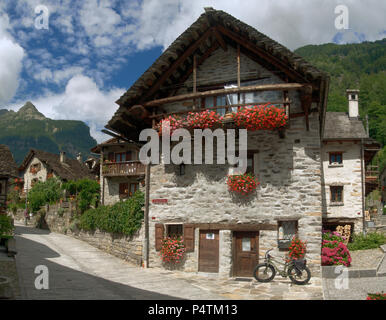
81	100
11	56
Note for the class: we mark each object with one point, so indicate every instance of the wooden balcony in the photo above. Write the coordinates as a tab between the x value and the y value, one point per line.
119	169
371	179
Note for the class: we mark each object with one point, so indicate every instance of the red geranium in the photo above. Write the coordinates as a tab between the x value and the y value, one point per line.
243	183
262	117
172	250
297	249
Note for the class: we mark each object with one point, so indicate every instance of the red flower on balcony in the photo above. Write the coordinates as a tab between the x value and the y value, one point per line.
243	184
262	117
194	120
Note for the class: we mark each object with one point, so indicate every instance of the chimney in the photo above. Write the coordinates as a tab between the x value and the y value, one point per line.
62	156
79	157
353	108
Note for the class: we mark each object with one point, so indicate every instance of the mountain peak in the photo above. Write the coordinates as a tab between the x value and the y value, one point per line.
29	111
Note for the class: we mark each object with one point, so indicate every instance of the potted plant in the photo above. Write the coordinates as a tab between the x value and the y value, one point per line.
243	184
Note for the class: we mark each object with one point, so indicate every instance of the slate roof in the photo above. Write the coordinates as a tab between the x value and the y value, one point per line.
71	169
338	125
8	165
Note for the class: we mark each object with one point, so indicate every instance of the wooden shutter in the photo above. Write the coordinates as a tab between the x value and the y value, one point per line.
129	156
159	235
189	237
123	188
111	156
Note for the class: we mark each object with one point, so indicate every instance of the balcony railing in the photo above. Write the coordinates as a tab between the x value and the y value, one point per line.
127	168
372	173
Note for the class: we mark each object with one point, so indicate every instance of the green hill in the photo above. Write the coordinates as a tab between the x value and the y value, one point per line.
28	128
355	66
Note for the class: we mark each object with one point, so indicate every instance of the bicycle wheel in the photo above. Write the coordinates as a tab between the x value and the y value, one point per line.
264	272
299	277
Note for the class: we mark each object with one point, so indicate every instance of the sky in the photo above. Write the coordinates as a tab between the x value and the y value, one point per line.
78	62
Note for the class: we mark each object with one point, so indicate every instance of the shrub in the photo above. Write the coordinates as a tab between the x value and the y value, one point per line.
44	193
122	218
172	250
86	192
297	249
6	226
371	240
334	251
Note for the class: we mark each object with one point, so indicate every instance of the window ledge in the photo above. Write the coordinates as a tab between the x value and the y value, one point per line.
336	204
335	165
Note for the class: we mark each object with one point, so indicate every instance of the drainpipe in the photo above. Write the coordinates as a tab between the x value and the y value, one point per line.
363	187
146	217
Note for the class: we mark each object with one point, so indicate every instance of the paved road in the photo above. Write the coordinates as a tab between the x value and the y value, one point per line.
79	271
357	288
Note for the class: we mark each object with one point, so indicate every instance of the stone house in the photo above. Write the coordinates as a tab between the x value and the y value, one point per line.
121	173
221	63
347	176
8	171
40	165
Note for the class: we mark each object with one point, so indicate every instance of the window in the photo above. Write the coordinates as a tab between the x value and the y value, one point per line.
336	158
120	157
353	97
336	194
250	162
123	190
286	231
174	230
133	187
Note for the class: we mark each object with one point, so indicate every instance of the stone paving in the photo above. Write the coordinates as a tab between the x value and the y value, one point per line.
79	271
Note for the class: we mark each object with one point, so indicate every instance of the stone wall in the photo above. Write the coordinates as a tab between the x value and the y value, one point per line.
289	171
348	175
41	175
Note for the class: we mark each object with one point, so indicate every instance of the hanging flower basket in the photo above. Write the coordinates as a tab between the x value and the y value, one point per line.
262	117
243	184
297	249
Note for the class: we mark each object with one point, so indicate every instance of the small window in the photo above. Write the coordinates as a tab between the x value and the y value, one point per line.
120	157
353	97
174	230
286	231
133	188
336	158
336	194
123	190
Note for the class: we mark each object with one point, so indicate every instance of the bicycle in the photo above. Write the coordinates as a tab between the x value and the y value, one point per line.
296	270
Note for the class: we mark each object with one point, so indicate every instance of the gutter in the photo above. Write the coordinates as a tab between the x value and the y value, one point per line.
363	187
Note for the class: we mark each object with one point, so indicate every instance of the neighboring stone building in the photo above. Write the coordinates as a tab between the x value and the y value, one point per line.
208	66
8	171
40	165
120	171
347	152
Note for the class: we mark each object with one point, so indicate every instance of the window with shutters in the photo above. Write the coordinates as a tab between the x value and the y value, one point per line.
286	231
133	187
175	230
336	194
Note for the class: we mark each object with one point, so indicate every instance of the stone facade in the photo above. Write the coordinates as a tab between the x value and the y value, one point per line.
349	176
110	192
40	175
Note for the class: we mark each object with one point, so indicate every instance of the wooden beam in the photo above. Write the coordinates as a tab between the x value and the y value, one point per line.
236	227
191	96
220	39
291	73
175	64
207	53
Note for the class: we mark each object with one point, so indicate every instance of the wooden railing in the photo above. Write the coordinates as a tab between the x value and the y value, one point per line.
372	173
127	168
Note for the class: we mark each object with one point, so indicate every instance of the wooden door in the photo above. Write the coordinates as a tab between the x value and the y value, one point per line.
208	260
246	253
